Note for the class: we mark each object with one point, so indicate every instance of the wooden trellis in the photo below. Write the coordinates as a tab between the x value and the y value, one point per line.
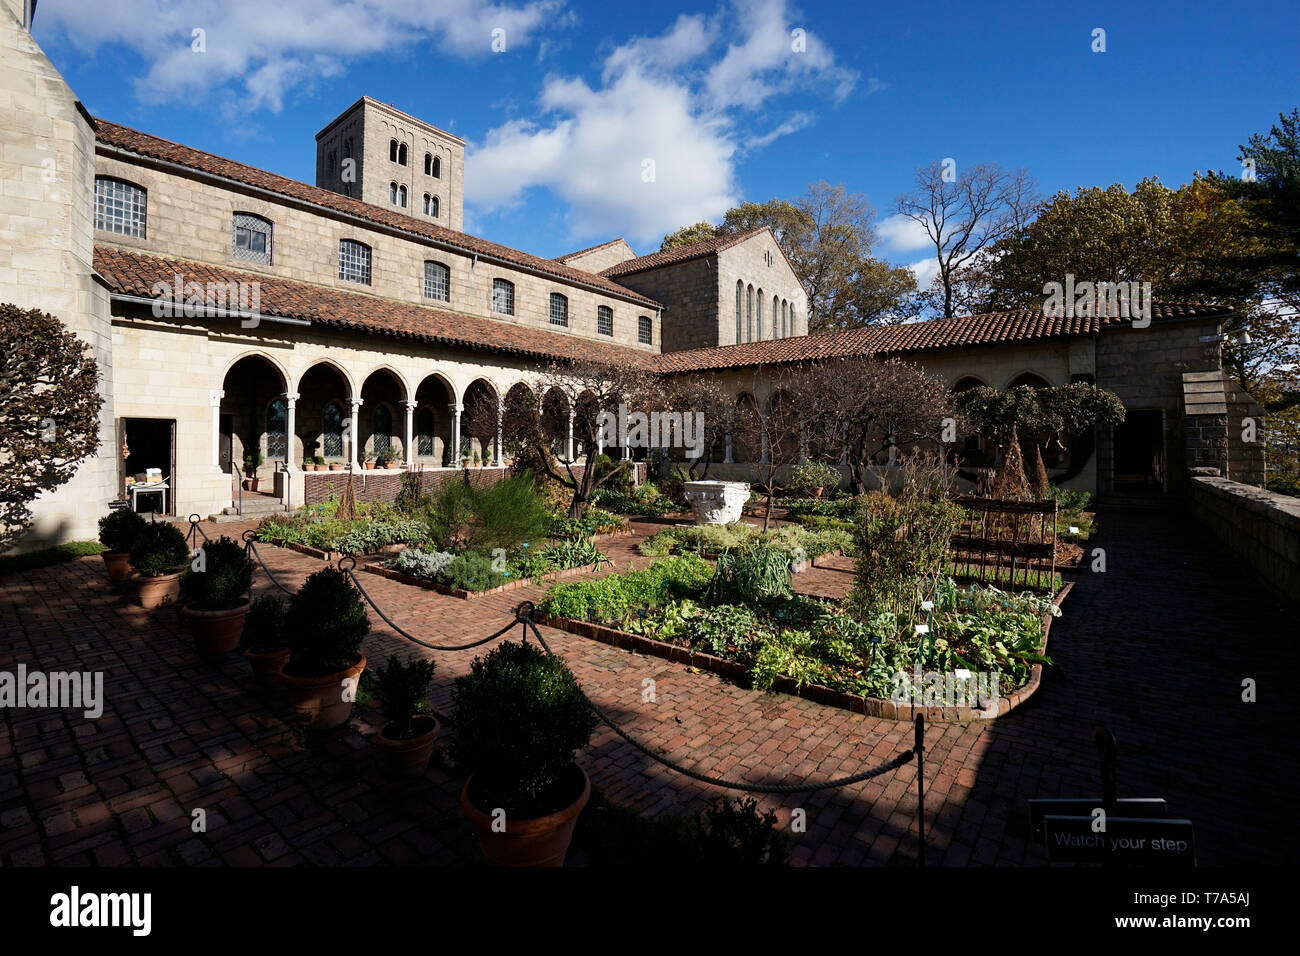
1018	536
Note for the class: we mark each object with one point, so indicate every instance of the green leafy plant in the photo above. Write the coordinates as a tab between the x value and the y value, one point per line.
264	625
402	691
809	476
327	623
223	582
252	461
903	545
119	528
473	571
430	565
159	548
758	575
519	717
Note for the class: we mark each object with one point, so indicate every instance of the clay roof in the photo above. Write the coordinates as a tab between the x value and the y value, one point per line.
123	137
1024	325
694	250
134	273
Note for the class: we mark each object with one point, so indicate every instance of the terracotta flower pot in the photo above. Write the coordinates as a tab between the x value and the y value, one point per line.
118	564
267	665
216	632
410	757
336	466
157	590
816	492
318	702
536	841
370	465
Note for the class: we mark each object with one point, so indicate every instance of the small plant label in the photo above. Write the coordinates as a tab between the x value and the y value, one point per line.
923	629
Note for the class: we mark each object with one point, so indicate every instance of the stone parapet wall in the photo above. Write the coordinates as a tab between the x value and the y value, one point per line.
1261	527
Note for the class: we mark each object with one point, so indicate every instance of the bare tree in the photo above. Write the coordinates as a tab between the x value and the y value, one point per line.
861	408
774	430
583	392
963	214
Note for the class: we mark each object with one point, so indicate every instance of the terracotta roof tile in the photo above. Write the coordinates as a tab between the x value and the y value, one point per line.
695	250
135	273
582	252
123	137
1025	325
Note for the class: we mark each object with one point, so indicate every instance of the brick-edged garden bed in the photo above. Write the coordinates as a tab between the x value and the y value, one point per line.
871	706
465	595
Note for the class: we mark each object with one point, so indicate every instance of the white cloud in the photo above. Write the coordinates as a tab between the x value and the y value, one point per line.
687	100
260	52
900	234
925	271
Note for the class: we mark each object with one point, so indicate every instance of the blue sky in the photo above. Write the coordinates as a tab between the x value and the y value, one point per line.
562	120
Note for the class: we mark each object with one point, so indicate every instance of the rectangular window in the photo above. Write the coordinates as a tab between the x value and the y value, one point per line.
437	281
645	330
503	297
252	238
604	320
559	309
120	207
354	262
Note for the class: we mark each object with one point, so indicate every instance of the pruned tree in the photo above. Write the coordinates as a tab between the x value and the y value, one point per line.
714	405
773	426
863	408
584	392
963	214
1040	415
49	411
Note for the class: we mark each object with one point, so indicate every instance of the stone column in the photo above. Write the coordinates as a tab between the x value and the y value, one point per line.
730	457
355	428
214	399
455	408
501	455
290	429
408	445
569	443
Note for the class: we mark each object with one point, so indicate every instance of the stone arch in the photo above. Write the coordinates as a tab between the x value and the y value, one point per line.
324	413
478	423
1029	377
433	426
382	388
250	384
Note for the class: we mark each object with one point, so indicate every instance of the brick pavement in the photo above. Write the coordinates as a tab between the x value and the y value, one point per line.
1156	649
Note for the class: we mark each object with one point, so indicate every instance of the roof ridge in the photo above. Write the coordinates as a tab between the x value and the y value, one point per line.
691	250
599	245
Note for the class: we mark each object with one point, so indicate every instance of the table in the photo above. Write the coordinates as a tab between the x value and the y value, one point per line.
146	487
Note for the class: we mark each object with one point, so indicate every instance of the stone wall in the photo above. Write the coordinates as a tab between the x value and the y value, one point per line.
691	287
191	218
758	261
47	163
1245	446
321	486
1260	527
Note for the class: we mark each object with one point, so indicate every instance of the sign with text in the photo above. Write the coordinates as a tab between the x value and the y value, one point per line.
1126	841
1084	807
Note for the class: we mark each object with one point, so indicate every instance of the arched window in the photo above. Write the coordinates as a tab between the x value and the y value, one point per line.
604	320
559	309
331	163
331	435
120	207
381	430
645	330
392	193
354	261
749	314
437	281
401	196
776	316
437	167
794	329
785	318
347	148
428	164
503	296
433	207
392	150
251	238
426	203
276	445
426	427
758	317
401	155
740	300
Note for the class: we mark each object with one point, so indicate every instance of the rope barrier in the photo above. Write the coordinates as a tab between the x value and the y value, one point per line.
251	548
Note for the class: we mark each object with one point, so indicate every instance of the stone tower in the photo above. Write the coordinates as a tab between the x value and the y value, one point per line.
380	155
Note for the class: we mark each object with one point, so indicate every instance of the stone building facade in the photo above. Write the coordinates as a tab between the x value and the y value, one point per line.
235	313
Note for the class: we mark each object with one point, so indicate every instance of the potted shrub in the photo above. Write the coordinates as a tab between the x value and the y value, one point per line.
403	694
262	640
216	595
336	466
324	631
385	459
117	532
319	462
369	464
519	718
812	477
252	461
158	556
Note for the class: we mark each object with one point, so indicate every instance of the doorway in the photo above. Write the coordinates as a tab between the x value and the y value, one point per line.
149	443
1140	458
